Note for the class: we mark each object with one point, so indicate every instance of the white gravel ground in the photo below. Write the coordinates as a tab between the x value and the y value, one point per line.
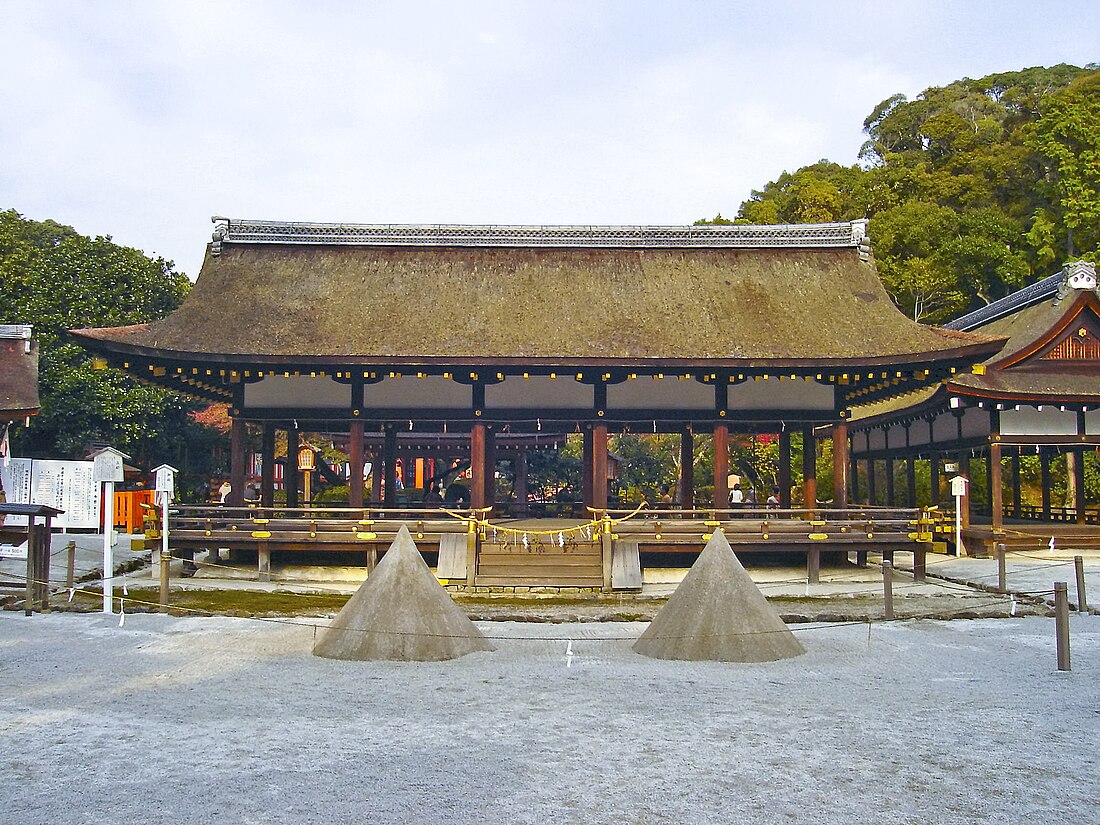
220	720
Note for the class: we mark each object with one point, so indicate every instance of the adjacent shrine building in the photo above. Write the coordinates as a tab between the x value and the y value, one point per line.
1040	395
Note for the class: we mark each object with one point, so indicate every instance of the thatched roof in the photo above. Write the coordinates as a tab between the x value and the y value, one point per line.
463	298
18	373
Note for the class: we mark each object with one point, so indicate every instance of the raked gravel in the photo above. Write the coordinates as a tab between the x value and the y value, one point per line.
220	720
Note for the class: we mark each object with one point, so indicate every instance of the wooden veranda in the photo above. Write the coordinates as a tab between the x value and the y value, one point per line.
607	551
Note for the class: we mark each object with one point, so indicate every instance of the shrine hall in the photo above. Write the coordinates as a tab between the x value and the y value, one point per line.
1039	396
388	333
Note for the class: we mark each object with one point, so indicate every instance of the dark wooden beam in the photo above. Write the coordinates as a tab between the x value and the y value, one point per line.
784	468
356	460
389	462
291	472
687	469
267	466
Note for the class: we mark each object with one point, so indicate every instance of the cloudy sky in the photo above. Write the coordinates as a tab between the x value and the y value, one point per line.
142	119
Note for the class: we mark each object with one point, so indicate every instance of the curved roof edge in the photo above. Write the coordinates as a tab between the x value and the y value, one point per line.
852	234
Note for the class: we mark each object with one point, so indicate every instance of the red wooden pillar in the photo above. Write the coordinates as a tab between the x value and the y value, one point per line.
1078	470
587	487
267	468
840	465
355	454
490	466
238	461
721	466
477	466
996	491
687	469
599	466
809	468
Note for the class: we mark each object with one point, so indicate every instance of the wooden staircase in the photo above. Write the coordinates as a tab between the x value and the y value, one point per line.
506	565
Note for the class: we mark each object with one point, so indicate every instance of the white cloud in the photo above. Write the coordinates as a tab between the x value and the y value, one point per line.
143	119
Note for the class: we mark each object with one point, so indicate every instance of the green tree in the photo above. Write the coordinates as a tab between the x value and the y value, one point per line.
973	189
1067	135
56	279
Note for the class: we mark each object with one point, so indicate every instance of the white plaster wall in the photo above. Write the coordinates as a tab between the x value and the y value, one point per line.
564	392
786	394
316	392
945	428
975	423
1033	421
430	392
671	393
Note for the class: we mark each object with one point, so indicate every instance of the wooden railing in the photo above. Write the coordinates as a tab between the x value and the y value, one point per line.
1068	515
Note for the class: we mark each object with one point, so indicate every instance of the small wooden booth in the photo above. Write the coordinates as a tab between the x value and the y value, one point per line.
536	331
37	538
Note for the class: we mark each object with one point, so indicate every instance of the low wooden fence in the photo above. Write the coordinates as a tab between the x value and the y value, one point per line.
369	531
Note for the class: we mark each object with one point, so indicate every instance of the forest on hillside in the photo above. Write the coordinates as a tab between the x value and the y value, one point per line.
973	189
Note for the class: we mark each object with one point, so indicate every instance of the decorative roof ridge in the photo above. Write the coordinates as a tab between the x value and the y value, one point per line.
1020	299
851	234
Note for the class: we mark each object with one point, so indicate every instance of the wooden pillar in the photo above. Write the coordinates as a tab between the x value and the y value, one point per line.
809	469
267	467
356	460
1077	472
477	465
853	475
890	499
872	483
910	482
934	479
490	466
964	503
599	466
389	462
587	487
376	477
840	465
1044	474
238	461
519	473
290	469
687	469
785	469
721	466
996	491
1016	483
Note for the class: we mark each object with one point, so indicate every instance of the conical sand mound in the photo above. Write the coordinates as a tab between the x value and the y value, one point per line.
718	614
401	613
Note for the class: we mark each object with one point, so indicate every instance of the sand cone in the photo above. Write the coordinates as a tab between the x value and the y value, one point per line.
401	613
718	614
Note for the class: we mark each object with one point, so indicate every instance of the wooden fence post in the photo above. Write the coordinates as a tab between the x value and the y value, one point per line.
888	588
1061	623
1082	598
1002	570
